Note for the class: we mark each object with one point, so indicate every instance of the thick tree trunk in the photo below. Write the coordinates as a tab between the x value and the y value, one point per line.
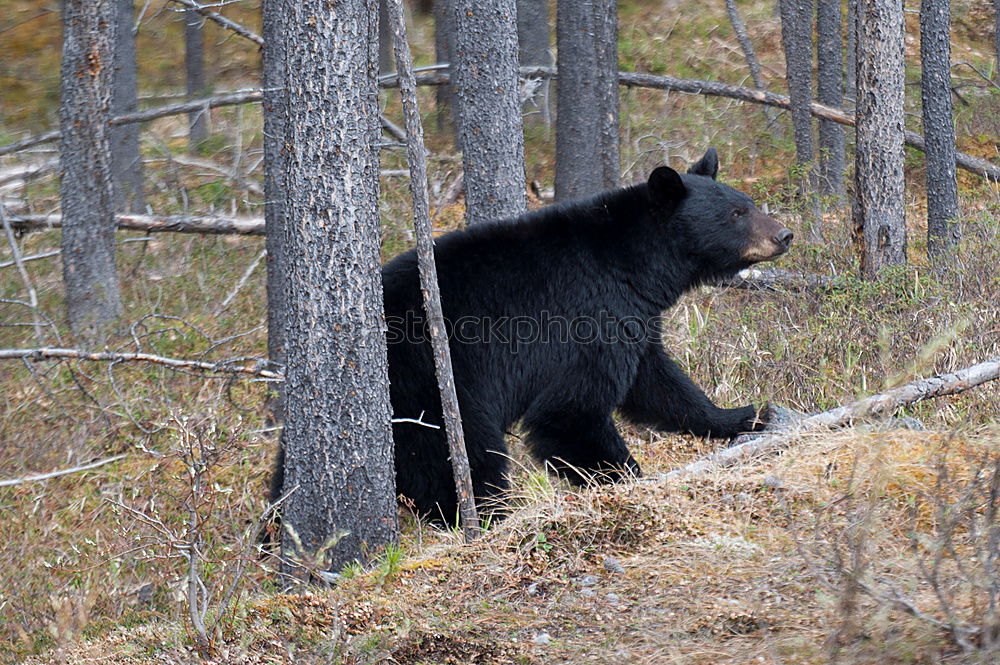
485	88
336	438
851	75
879	207
534	50
587	156
796	38
417	158
830	91
275	112
87	195
943	231
748	52
126	161
194	67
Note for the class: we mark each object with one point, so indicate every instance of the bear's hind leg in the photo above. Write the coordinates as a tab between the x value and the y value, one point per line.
581	446
665	398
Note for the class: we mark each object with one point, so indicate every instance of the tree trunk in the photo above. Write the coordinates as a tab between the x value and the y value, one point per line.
830	91
194	65
275	112
444	50
87	195
126	161
741	34
534	50
851	82
485	88
385	63
586	98
336	437
943	231
879	210
417	158
796	38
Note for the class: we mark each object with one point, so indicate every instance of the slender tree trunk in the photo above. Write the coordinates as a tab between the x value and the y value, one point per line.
943	231
126	161
485	88
748	52
830	91
444	51
86	191
796	38
851	83
336	438
385	61
417	159
534	50
275	113
587	156
194	65
879	207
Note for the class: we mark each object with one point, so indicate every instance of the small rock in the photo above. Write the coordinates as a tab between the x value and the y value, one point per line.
773	481
613	565
587	580
541	639
587	593
533	589
613	597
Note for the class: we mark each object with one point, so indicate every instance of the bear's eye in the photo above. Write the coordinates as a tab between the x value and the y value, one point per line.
736	214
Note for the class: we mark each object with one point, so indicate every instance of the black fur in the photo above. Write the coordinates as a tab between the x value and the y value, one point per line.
625	255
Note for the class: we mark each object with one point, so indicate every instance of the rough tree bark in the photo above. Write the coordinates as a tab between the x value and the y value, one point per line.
830	91
275	112
87	195
534	50
485	93
796	39
741	34
126	162
851	73
417	158
943	231
879	210
336	437
194	67
586	98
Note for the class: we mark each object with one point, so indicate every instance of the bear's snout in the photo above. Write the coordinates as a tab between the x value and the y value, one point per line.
784	238
768	239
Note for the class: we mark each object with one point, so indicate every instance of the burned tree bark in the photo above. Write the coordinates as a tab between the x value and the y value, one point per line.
86	191
194	67
534	50
428	273
126	161
943	231
879	207
485	93
586	98
830	91
336	438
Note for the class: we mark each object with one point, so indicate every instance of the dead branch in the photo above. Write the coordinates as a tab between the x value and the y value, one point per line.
223	21
62	472
881	404
776	279
253	226
56	252
48	353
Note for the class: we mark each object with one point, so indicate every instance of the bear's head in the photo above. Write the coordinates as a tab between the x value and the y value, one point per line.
718	226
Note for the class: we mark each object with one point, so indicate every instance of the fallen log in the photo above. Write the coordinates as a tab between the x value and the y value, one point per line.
881	404
975	165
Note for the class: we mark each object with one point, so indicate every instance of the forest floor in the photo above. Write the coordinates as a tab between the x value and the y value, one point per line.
759	563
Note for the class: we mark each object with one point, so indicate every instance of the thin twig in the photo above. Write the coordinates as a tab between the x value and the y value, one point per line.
226	23
62	472
239	285
46	353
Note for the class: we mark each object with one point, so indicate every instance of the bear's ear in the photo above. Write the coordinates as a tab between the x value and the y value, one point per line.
665	186
707	165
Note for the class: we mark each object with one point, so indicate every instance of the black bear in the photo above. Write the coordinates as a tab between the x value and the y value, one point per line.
553	320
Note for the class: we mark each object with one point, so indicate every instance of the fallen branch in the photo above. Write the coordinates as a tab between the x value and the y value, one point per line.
48	353
775	279
61	472
223	21
881	404
253	226
632	79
